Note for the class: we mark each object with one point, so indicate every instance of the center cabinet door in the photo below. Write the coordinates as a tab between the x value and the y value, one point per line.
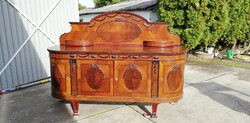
95	77
132	78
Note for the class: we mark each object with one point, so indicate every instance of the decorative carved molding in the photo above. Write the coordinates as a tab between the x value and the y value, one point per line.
137	18
118	19
113	15
155	66
107	56
95	77
83	56
147	25
132	78
125	15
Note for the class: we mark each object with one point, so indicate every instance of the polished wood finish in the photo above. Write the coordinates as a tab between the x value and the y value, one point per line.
95	78
118	56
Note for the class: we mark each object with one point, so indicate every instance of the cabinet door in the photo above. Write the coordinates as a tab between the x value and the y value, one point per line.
60	79
95	77
171	78
132	78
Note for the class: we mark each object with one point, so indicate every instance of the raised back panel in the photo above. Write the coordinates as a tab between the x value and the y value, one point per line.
118	28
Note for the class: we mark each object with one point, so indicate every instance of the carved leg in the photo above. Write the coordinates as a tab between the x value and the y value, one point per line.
75	105
154	110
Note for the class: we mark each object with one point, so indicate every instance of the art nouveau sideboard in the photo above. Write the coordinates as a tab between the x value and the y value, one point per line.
118	56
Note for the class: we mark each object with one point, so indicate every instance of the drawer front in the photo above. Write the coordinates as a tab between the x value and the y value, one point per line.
95	77
60	76
171	78
132	78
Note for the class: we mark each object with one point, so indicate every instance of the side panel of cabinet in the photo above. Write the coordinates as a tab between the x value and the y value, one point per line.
60	77
132	78
171	79
95	77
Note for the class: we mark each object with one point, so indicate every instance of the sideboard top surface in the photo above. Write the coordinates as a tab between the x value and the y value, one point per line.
118	49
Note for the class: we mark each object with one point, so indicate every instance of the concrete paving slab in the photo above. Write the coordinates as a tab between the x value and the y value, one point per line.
119	115
199	108
32	105
36	105
212	94
198	72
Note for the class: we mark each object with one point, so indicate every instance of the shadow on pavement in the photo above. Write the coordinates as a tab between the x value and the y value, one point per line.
33	105
221	94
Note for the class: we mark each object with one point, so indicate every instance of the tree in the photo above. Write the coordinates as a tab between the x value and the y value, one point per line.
203	23
101	3
215	14
200	23
238	28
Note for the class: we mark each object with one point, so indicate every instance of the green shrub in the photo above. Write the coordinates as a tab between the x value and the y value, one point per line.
203	23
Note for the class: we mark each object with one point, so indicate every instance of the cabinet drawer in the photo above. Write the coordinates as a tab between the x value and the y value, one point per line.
171	78
60	78
132	78
95	77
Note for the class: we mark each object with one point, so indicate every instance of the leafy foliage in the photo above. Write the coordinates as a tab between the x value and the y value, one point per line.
80	6
100	3
203	23
239	25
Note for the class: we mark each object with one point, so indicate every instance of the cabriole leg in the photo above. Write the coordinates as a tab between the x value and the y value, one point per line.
75	106
154	110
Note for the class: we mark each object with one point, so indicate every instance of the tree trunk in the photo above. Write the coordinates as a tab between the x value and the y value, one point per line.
245	44
233	47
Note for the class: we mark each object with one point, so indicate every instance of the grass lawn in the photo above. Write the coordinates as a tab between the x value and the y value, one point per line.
225	62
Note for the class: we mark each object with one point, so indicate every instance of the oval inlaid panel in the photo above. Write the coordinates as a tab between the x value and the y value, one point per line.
132	78
174	78
56	76
95	77
121	31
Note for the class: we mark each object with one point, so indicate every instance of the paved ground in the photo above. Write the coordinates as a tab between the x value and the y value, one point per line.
212	94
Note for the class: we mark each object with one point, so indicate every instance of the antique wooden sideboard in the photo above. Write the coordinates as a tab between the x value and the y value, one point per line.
118	56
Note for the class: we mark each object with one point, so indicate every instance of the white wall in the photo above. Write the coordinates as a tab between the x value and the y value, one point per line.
27	29
149	15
